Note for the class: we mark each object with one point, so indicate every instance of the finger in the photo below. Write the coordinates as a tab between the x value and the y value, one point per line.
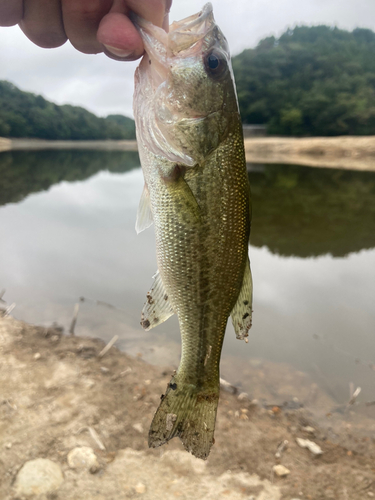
120	37
10	12
118	34
81	22
151	10
42	23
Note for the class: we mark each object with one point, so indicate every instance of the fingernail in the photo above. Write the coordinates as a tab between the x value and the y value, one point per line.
118	52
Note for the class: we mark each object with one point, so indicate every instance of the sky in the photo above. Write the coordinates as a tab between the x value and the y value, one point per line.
104	86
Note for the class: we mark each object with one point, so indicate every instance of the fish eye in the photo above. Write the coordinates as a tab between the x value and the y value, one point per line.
215	63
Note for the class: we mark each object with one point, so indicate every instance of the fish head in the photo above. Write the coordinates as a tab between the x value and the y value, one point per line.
185	88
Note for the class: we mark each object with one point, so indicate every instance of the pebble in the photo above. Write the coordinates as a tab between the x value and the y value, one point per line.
280	470
242	396
309	429
83	457
310	445
140	488
38	477
37	356
138	427
8	446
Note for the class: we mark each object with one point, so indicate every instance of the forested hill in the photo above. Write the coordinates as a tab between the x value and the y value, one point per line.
310	81
23	114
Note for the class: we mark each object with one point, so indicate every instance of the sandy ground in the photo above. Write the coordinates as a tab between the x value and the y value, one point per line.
56	392
354	153
32	144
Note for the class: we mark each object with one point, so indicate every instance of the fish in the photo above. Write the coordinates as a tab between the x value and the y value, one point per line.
197	195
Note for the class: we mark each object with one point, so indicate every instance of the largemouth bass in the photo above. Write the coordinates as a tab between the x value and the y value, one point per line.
197	194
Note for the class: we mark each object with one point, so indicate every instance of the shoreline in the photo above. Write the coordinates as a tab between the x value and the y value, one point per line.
55	388
346	152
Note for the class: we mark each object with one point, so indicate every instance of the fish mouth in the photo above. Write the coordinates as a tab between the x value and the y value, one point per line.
182	34
194	21
187	32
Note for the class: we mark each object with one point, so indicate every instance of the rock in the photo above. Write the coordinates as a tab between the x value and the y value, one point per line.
280	470
308	429
140	488
243	396
138	427
38	477
310	445
83	457
37	356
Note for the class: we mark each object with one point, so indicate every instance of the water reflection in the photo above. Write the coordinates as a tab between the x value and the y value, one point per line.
297	211
73	235
25	172
306	211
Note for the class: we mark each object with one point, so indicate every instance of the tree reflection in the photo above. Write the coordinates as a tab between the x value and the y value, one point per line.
305	211
299	211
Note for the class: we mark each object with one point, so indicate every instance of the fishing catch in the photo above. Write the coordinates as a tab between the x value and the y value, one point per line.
197	194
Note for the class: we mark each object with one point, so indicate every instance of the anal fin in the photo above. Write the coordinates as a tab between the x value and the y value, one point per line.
157	309
242	311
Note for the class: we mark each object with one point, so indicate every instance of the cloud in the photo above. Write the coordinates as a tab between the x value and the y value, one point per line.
104	86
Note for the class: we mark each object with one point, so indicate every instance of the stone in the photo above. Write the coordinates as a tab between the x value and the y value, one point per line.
38	477
280	470
140	488
83	457
308	429
310	445
138	427
243	396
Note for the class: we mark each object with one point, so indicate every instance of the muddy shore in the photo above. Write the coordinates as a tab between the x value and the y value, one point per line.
58	394
354	153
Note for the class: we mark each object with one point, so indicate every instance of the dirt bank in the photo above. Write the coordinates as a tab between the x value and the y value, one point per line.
5	144
354	153
58	394
33	144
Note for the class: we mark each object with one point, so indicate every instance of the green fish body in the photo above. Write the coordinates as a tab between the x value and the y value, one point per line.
197	194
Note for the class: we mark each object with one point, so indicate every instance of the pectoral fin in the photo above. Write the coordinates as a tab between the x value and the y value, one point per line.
242	311
144	215
157	309
186	204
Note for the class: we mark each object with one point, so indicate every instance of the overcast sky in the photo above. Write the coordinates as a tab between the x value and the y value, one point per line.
105	86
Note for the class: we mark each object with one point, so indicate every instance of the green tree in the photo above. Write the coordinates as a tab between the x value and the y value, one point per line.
23	114
311	81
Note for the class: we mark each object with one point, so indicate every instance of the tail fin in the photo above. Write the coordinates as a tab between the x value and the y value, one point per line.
188	413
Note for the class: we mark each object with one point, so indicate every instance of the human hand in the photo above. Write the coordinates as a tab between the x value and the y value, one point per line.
91	26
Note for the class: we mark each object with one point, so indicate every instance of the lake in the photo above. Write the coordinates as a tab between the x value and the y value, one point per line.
67	232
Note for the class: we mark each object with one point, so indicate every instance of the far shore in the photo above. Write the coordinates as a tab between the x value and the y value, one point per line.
347	152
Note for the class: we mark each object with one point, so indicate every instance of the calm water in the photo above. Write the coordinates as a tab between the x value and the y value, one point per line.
67	231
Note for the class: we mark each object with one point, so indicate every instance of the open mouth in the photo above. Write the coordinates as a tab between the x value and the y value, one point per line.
195	23
182	34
